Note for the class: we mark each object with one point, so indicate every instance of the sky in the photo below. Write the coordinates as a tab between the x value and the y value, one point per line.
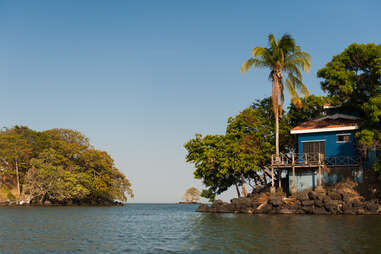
140	78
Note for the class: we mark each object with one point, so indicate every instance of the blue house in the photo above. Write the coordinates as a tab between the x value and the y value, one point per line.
331	138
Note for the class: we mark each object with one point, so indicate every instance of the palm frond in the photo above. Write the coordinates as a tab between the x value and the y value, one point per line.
295	99
298	85
287	43
253	62
258	51
272	42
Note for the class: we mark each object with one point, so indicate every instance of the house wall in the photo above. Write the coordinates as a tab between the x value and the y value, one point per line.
308	179
332	147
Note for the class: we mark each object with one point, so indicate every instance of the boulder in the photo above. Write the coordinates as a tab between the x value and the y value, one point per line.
348	209
203	208
276	201
264	208
320	210
225	208
333	206
319	203
217	203
286	211
357	203
334	195
371	206
307	203
360	211
308	209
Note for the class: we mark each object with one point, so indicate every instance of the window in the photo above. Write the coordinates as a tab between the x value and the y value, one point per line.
314	147
343	138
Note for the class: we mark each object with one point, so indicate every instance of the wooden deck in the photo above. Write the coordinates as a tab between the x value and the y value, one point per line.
309	160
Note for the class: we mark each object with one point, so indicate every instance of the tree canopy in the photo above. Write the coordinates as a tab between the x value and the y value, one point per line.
353	80
191	195
241	154
60	165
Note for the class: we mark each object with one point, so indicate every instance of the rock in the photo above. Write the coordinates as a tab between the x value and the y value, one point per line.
371	206
4	203
312	195
203	208
217	203
334	195
225	208
287	211
333	207
348	209
275	201
318	203
302	196
360	211
264	208
320	210
326	199
308	209
357	203
307	203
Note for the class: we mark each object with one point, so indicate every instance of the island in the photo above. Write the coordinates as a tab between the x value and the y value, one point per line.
57	167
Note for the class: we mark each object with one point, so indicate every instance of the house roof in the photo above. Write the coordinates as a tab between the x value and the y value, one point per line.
336	122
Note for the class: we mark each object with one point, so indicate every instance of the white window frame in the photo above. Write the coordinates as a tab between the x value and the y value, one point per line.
343	134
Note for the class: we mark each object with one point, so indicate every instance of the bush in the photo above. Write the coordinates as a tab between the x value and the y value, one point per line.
11	196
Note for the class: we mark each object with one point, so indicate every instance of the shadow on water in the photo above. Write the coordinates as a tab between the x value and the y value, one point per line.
157	229
229	233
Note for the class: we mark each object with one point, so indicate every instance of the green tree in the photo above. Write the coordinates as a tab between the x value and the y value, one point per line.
14	153
239	156
353	76
47	180
60	165
282	56
353	80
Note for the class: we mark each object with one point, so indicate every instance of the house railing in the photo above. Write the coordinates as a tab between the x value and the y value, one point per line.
313	160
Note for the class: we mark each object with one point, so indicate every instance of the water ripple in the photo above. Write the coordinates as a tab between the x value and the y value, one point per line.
167	229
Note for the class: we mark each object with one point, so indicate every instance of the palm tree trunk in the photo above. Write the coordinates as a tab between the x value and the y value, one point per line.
275	100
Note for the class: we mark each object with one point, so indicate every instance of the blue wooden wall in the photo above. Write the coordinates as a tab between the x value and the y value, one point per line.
332	147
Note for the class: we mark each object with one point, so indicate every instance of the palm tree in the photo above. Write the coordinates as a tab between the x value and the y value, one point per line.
282	56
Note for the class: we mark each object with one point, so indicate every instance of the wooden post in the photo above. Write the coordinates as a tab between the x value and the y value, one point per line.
272	189
293	188
320	186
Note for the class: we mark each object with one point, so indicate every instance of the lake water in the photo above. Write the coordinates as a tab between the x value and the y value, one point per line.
156	229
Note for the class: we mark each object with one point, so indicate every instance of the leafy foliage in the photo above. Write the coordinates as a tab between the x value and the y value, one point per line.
353	76
191	195
61	165
222	161
353	79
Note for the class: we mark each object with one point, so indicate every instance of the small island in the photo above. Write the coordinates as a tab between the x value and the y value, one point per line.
320	155
191	196
57	167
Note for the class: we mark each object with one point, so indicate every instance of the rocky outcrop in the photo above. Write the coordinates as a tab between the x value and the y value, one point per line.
340	199
62	203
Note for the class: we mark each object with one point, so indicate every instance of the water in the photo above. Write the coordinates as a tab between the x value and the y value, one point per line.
173	228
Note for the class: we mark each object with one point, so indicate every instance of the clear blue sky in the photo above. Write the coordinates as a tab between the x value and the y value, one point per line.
140	78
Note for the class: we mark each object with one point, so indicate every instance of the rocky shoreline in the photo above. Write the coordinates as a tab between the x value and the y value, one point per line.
69	203
340	199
